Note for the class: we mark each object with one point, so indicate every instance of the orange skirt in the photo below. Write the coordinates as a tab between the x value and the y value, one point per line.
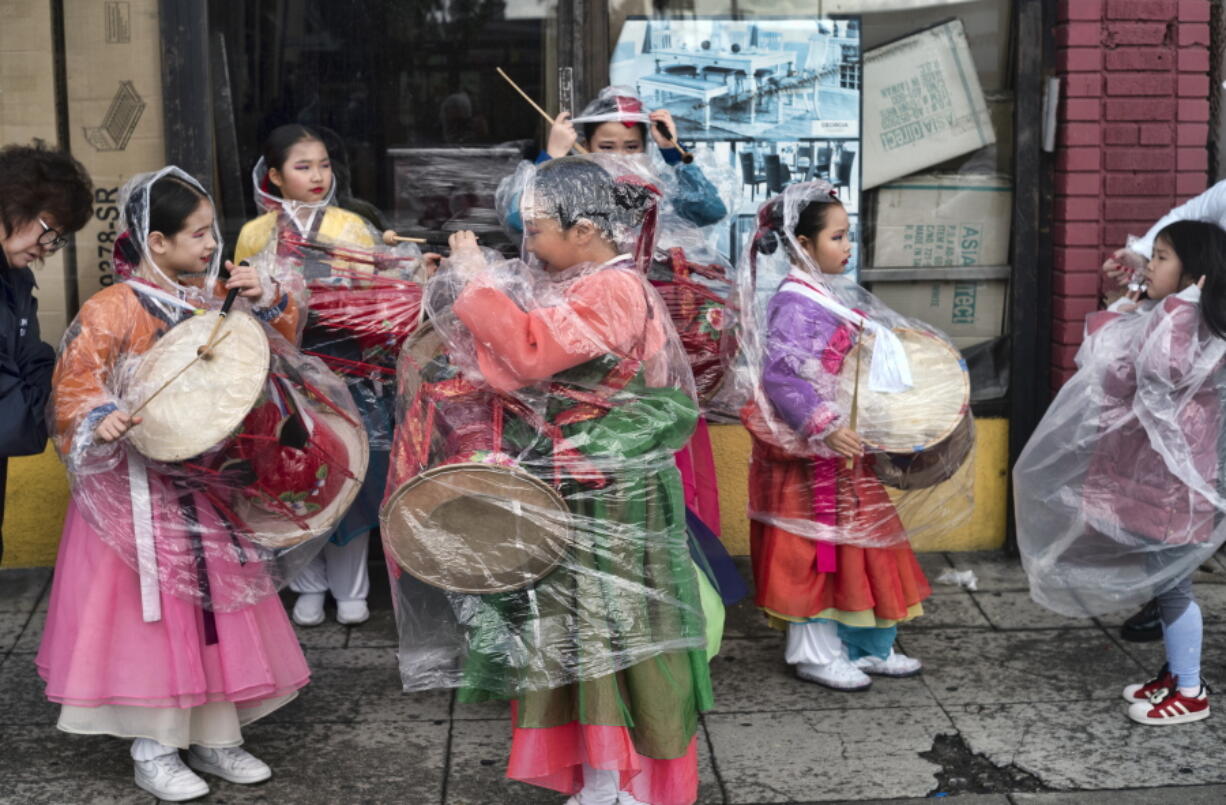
868	587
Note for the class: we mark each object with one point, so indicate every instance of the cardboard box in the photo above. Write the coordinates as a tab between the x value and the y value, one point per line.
114	64
27	111
988	25
969	312
943	220
923	104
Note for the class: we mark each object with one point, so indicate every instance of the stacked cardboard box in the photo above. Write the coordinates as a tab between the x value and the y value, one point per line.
941	220
923	104
27	112
114	65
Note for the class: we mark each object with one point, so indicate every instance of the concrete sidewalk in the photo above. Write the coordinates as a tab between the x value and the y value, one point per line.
1016	705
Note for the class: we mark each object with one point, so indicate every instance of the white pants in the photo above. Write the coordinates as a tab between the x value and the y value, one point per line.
599	786
148	749
813	643
339	569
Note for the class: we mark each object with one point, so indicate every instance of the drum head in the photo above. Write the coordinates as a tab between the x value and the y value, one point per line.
921	417
207	402
273	530
476	528
930	467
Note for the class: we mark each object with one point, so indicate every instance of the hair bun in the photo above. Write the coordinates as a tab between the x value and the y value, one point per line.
766	241
633	198
126	254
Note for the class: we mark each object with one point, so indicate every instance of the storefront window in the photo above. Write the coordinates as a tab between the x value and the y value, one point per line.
933	218
409	85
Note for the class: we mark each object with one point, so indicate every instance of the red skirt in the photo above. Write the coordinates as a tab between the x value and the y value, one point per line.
868	586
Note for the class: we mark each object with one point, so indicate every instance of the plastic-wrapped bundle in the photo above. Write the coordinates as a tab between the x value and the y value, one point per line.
819	353
535	523
363	296
1119	490
247	451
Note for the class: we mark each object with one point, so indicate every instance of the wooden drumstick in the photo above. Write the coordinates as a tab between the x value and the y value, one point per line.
203	351
686	156
178	374
855	392
391	238
531	102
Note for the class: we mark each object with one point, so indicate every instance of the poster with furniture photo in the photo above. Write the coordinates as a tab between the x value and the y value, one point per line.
774	101
768	79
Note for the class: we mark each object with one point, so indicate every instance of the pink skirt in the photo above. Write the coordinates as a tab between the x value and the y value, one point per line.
96	650
696	462
553	757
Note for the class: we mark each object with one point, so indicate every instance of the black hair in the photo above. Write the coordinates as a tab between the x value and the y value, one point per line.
278	145
589	130
342	176
810	222
578	189
171	200
35	179
1201	249
813	218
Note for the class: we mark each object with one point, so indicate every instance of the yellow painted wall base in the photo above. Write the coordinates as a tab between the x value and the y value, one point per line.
34	505
984	530
38	497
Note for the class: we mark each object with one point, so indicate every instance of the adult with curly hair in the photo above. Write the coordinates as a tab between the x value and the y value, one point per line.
45	195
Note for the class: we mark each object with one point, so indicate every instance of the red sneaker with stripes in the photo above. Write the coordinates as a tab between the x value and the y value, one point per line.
1171	707
1145	691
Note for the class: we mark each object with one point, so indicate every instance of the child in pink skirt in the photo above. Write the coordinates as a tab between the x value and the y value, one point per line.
208	649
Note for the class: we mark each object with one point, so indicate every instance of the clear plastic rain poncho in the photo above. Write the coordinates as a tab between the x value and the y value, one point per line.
1119	491
703	191
246	454
817	353
694	279
364	296
535	523
698	286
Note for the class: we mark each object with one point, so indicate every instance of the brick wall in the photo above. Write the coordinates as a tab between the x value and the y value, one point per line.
1134	126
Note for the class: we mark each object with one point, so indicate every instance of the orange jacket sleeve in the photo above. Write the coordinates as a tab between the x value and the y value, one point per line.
604	312
92	346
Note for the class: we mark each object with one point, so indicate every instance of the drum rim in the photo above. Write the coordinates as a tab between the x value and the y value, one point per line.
293	535
969	420
444	469
152	452
963	410
425	328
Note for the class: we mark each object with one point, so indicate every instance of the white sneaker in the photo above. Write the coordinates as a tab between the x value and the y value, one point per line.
626	798
839	674
231	763
167	778
309	609
896	665
351	613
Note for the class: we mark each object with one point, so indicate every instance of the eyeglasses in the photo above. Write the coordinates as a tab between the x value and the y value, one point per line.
51	239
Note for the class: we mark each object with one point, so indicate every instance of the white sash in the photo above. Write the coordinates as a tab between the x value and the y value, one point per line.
890	371
146	550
